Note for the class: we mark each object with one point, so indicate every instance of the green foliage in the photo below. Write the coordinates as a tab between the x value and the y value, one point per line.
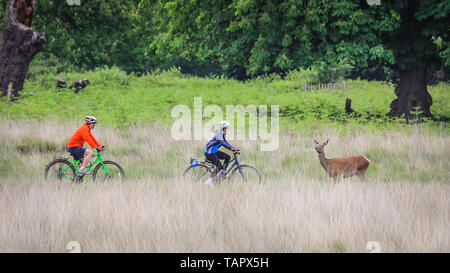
302	76
112	75
241	39
47	64
331	73
276	37
124	100
96	33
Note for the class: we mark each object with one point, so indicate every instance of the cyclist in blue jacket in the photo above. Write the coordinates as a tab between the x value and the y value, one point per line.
212	152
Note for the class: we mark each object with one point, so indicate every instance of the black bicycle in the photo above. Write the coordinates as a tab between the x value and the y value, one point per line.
200	172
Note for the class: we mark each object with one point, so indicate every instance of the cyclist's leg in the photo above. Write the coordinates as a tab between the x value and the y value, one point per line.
87	156
224	156
216	161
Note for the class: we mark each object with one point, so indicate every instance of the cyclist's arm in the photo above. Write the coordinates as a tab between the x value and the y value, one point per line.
89	138
94	142
226	144
219	137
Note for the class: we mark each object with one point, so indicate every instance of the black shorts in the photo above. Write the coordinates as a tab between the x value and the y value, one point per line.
77	152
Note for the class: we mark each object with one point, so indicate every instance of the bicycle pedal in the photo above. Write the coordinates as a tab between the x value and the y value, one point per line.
79	179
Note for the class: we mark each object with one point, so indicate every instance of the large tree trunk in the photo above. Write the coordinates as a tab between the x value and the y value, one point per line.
19	44
411	92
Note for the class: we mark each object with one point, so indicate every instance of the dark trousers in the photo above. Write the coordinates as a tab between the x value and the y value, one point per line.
215	159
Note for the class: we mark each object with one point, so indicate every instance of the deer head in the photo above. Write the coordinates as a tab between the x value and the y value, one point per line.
319	147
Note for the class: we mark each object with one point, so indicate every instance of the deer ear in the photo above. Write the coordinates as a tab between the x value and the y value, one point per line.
315	142
326	142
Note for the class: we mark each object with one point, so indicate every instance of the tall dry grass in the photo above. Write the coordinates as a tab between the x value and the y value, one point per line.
404	205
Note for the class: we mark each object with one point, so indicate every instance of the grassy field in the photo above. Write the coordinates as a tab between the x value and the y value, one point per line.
118	99
404	205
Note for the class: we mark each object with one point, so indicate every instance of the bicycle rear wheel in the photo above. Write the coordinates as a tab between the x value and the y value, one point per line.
247	174
197	174
113	173
61	170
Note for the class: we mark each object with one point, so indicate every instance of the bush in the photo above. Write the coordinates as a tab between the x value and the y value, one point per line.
302	76
45	64
329	73
112	75
174	72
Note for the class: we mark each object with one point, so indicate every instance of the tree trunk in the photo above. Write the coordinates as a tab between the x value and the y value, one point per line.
411	92
19	44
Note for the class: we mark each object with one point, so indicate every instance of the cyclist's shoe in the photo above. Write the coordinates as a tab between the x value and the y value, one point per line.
221	176
83	171
209	181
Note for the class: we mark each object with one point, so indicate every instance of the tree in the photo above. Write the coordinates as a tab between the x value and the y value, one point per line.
19	44
415	49
96	33
276	36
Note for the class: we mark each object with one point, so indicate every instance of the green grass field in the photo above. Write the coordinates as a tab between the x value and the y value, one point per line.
116	98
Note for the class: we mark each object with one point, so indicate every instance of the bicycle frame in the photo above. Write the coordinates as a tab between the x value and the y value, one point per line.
75	164
235	162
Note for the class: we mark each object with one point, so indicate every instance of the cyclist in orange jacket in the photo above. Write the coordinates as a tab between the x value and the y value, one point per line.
79	138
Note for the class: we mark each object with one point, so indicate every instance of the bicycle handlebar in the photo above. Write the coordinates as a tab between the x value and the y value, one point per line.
103	148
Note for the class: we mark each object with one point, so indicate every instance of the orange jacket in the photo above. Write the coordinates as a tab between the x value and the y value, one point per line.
82	135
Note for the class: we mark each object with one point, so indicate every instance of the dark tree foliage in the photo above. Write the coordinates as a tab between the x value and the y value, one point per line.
94	34
400	40
407	37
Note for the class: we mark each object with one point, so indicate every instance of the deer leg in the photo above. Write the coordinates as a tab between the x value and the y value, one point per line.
361	176
335	179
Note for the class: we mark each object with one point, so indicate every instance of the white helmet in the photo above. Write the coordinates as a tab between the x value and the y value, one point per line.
90	119
224	124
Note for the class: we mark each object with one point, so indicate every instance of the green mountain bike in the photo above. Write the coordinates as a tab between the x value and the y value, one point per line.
63	170
233	171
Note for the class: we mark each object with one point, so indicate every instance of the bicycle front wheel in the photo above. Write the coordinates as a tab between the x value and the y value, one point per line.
112	172
247	174
197	174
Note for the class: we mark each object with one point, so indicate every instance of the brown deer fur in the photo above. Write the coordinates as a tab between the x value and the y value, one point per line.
345	166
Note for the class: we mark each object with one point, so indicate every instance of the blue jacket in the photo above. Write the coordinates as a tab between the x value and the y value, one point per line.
218	140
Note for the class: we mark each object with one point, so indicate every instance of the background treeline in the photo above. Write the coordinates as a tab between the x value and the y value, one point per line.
237	39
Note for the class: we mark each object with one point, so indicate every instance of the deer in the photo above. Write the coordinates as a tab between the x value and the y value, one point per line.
345	166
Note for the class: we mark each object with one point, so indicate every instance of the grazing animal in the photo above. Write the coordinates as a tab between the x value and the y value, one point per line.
79	84
61	82
345	166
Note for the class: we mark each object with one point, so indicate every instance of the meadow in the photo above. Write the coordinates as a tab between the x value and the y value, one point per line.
121	99
404	205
